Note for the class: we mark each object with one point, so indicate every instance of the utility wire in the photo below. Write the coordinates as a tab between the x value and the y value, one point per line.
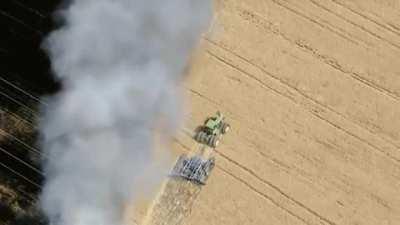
20	175
20	22
22	161
18	102
23	91
30	148
29	8
33	112
18	117
24	178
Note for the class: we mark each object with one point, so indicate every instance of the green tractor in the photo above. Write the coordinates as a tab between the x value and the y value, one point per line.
212	130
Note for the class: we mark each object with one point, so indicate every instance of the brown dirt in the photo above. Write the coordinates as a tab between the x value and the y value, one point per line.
312	91
174	204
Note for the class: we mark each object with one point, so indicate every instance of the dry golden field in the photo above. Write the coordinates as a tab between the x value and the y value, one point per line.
312	91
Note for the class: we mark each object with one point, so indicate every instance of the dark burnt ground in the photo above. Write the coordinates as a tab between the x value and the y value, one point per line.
25	76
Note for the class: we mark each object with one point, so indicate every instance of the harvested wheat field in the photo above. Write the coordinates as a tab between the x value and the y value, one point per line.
312	91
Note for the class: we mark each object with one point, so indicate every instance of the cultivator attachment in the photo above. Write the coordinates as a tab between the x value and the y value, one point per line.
193	168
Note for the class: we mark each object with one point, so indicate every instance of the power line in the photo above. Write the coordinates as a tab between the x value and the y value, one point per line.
33	112
24	178
18	102
18	117
22	90
28	195
29	8
30	148
15	138
20	175
20	22
22	161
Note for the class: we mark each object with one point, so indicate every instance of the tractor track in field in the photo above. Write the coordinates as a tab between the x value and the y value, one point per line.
279	69
307	98
311	90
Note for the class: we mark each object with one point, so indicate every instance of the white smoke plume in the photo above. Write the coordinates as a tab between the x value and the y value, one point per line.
119	62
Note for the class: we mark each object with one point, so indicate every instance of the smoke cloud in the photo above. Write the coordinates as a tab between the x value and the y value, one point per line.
119	62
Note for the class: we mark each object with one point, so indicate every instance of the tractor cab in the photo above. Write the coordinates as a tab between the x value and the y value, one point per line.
212	124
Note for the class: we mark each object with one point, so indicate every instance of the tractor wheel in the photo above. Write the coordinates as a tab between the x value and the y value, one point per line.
204	137
201	137
213	141
225	128
198	136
